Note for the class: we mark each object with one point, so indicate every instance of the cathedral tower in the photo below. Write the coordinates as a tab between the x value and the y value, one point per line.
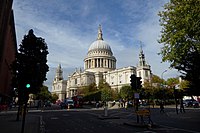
143	69
59	84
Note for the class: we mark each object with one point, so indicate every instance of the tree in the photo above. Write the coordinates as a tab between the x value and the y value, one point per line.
126	92
54	97
106	92
90	92
89	89
44	94
30	66
180	37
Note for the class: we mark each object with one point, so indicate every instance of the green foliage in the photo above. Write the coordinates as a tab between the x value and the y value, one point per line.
90	92
181	39
156	79
172	81
114	94
184	84
44	94
30	65
106	92
126	92
54	97
89	89
93	96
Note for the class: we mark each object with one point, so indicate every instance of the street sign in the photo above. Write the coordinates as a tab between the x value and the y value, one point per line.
136	95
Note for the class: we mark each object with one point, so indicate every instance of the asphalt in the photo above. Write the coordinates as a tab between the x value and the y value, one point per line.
33	123
9	124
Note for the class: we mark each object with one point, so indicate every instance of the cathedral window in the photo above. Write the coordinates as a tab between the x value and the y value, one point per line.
139	74
146	73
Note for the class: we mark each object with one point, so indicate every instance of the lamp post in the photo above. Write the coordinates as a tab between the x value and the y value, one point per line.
163	82
163	73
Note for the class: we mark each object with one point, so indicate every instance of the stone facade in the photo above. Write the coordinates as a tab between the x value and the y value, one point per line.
99	64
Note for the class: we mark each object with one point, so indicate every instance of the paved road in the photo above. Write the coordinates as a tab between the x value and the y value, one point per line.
55	120
81	122
87	120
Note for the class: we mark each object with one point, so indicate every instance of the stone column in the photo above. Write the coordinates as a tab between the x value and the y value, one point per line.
86	64
89	63
92	63
99	62
95	62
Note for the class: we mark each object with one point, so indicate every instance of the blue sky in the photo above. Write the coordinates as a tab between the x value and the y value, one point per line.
70	26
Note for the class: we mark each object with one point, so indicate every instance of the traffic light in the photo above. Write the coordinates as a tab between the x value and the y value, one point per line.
138	83
28	85
133	81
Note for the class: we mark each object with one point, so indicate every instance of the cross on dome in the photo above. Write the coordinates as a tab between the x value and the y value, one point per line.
100	35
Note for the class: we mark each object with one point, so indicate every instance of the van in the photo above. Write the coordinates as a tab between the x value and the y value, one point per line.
69	103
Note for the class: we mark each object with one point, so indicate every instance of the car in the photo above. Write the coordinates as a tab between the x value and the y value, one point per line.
191	103
69	103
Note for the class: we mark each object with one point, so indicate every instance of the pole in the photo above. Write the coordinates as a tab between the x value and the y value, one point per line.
24	117
163	82
137	102
175	98
24	112
106	110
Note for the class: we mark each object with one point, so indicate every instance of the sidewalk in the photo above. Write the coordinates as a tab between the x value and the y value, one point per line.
10	125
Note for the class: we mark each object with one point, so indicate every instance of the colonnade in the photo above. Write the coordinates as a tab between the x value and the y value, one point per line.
100	62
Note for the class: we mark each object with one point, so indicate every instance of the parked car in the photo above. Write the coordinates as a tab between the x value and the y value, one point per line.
191	103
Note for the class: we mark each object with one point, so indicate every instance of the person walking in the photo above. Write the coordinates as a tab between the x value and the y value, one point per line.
126	104
162	107
182	106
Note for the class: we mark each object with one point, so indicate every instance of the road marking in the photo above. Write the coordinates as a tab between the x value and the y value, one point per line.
54	118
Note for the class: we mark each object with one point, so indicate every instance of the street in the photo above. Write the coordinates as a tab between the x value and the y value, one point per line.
80	122
88	120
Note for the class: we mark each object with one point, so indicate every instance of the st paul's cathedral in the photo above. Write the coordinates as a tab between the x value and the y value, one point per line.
99	64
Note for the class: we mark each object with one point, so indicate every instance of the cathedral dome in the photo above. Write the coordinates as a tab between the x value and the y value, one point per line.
99	57
99	44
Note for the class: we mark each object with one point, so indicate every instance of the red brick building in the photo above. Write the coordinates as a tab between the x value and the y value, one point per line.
8	48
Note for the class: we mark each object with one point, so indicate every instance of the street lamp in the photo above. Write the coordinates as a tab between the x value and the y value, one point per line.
163	73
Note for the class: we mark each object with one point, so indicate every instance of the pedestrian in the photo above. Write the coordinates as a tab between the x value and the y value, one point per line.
126	104
182	106
97	104
162	107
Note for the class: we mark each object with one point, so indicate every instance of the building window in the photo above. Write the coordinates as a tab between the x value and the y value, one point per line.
146	73
139	74
75	81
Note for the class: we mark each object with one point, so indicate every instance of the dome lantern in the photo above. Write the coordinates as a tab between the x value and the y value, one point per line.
100	35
